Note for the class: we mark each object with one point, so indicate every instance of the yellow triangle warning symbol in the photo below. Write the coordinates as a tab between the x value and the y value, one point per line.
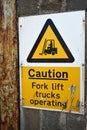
49	46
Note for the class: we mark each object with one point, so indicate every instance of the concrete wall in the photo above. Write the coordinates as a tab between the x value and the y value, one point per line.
48	120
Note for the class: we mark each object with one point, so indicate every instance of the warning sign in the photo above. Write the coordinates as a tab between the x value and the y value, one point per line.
51	87
52	61
50	47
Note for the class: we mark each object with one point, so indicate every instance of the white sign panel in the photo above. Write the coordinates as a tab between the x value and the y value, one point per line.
52	61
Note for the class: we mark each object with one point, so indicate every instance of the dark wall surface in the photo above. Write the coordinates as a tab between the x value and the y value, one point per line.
41	119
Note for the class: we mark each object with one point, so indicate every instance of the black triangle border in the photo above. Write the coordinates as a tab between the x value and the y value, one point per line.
48	60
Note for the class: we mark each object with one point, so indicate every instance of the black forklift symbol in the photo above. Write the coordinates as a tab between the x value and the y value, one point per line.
49	47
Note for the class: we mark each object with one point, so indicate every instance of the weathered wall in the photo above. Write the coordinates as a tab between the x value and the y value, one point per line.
8	66
48	120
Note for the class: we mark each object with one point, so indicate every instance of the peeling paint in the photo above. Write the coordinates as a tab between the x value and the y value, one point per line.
8	66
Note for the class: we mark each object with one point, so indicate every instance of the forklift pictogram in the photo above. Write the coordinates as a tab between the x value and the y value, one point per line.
49	47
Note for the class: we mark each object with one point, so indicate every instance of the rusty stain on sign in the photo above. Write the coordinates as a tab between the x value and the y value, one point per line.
8	66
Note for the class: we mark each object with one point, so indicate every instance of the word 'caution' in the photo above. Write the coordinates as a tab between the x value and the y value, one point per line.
50	73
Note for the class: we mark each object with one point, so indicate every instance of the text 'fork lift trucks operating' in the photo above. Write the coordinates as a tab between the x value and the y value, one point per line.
49	47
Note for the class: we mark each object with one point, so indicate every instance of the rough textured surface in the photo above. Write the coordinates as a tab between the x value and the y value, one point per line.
27	7
76	5
8	66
